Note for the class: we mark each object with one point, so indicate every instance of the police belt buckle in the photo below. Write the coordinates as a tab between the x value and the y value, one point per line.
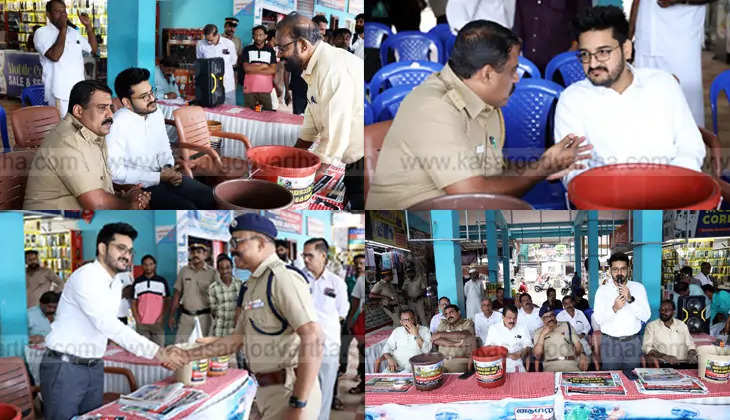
561	358
271	378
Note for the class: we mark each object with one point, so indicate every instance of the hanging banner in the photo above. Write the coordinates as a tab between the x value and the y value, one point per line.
620	237
387	227
356	239
286	220
333	4
282	6
208	224
165	234
315	228
243	6
507	408
355	7
696	224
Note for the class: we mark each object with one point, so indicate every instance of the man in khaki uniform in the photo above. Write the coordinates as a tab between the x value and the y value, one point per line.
191	290
383	289
415	288
69	170
448	135
456	340
558	345
335	99
278	326
38	280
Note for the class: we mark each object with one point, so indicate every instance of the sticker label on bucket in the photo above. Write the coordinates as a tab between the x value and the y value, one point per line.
716	370
428	375
218	365
488	372
200	368
300	187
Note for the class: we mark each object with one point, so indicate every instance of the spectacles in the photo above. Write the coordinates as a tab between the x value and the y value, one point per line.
235	242
283	47
307	256
601	55
124	250
151	94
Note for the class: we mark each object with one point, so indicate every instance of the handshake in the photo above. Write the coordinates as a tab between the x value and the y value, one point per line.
172	357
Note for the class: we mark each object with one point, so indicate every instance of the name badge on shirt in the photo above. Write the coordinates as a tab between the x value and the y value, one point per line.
480	148
330	292
225	51
254	304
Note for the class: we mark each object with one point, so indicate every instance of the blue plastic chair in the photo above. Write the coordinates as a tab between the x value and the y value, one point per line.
524	65
386	105
369	117
528	117
411	46
401	73
4	130
568	65
375	33
449	47
720	84
442	32
33	95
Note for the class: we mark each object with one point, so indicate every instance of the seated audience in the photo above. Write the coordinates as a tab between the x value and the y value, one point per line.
552	302
436	319
455	338
41	316
484	319
557	344
514	337
577	320
667	340
529	314
406	341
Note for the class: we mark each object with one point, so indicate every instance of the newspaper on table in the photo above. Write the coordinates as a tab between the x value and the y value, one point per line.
152	396
182	402
591	383
653	381
389	384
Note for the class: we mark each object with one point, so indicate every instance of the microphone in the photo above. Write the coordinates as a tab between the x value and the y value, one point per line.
70	24
620	279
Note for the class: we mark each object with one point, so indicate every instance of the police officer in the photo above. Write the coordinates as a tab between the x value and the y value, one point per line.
277	328
560	345
191	290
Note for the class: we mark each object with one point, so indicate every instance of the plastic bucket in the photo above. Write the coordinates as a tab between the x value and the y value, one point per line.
490	364
713	363
289	167
472	201
428	371
254	194
218	365
193	373
644	186
9	412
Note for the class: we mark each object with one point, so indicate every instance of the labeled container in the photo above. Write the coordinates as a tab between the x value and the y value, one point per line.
219	365
193	373
490	364
290	167
9	412
428	371
713	363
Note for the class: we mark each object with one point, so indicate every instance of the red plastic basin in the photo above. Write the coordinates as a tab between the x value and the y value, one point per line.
644	186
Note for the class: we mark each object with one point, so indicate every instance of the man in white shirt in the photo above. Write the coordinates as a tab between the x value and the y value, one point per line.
512	336
61	51
329	296
461	12
629	115
578	320
473	293
436	319
406	341
358	44
529	315
621	306
657	24
214	45
484	319
139	150
72	370
704	275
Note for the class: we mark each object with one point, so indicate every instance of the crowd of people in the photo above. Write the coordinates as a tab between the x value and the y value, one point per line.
313	307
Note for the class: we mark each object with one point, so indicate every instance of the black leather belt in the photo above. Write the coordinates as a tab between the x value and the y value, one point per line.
272	378
72	359
193	313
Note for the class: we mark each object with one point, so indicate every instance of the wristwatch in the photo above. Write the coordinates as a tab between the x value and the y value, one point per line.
632	299
295	402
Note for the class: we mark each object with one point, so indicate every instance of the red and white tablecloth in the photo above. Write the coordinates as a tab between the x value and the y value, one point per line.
229	396
374	344
703	339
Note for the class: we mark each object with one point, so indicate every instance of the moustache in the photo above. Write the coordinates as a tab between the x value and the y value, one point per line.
598	68
620	278
107	121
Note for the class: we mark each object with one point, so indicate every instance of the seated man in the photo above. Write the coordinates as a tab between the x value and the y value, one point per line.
139	150
577	320
165	81
514	337
500	301
558	345
41	316
628	115
69	170
529	315
581	303
455	338
436	319
484	319
667	340
406	341
448	135
552	301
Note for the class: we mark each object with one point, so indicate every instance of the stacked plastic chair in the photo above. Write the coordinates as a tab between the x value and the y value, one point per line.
525	66
412	46
33	95
568	65
408	73
386	105
375	33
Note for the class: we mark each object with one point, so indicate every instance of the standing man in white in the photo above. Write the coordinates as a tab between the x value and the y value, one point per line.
473	293
214	45
61	48
669	36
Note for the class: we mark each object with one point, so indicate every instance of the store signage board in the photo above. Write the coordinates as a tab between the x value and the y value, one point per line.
246	6
281	6
696	224
21	70
388	227
315	227
286	220
333	4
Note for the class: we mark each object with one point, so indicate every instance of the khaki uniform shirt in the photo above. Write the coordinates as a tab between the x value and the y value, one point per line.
415	287
464	324
558	344
443	133
291	299
335	103
674	341
71	161
38	282
193	287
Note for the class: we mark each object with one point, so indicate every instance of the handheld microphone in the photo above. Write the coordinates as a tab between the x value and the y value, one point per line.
621	279
70	24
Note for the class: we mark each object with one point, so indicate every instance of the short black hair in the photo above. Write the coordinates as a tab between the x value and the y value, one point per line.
580	292
669	301
148	257
500	288
680	287
258	28
704	263
408	311
509	307
320	19
342	31
31	251
708	288
320	244
106	234
169	61
444	297
525	294
602	17
358	256
128	78
686	270
300	27
271	33
568	297
360	16
82	91
281	242
50	297
479	43
223	257
50	3
618	256
210	29
551	289
585	263
451	306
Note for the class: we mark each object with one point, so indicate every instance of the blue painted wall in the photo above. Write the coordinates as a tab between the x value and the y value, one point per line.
342	16
13	318
131	41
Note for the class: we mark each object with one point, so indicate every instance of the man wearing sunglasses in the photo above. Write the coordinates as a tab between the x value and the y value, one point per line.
139	149
191	294
628	114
